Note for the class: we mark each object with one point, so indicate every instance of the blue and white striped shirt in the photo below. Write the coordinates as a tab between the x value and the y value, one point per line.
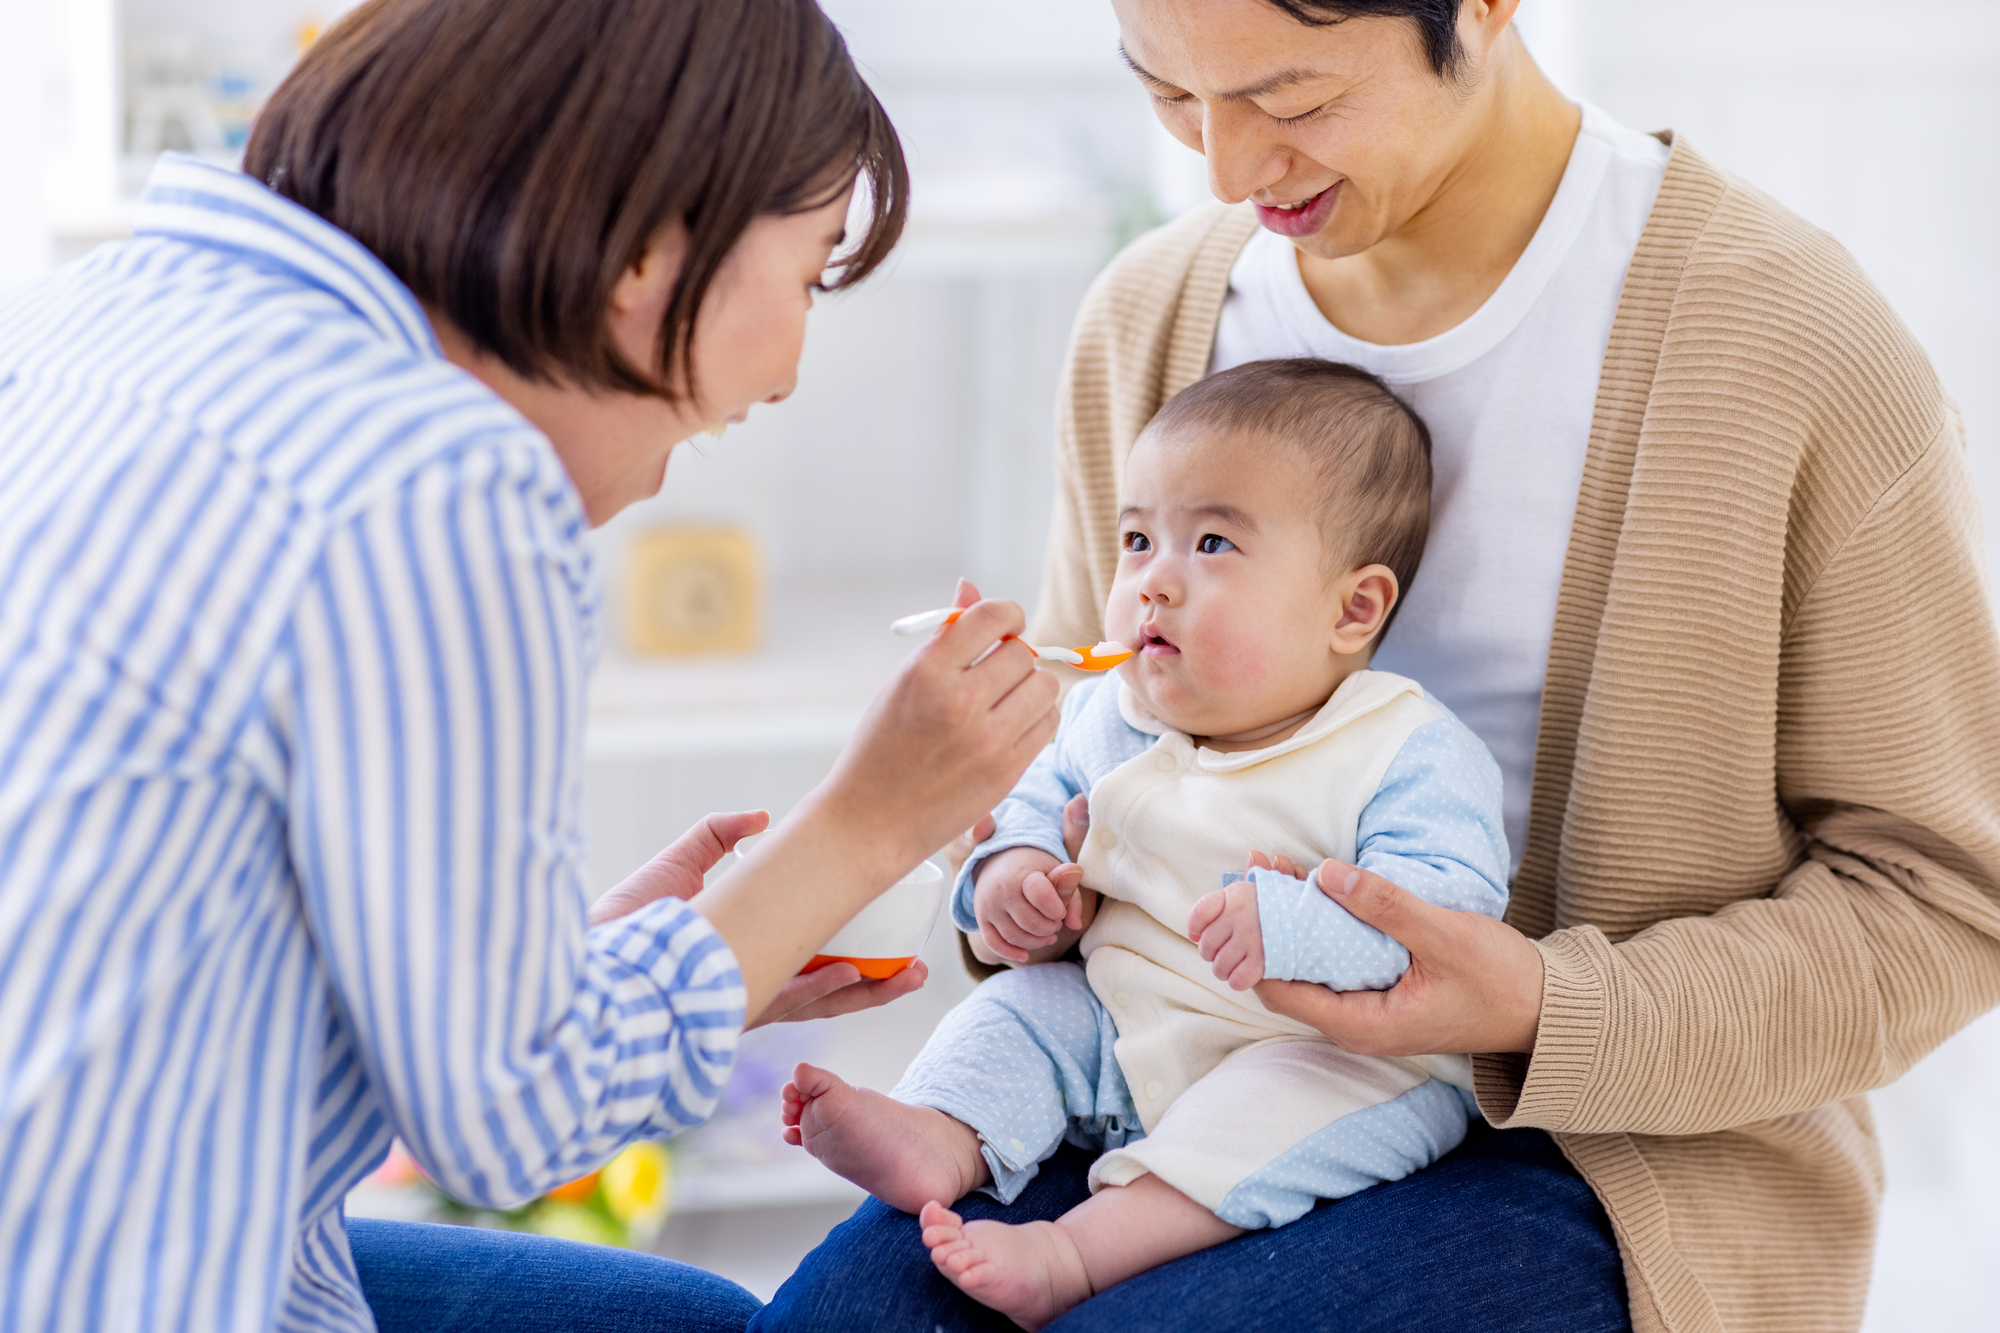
295	622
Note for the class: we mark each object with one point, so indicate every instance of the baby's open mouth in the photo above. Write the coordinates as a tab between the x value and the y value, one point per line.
1152	644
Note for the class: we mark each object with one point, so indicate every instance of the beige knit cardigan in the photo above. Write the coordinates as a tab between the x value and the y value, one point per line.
1763	856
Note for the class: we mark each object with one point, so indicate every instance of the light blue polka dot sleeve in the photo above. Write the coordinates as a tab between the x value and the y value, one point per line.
1434	827
1094	738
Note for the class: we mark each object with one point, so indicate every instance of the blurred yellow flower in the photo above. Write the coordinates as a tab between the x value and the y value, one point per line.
638	1185
570	1221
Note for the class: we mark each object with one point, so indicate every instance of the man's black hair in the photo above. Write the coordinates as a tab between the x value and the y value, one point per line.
1436	20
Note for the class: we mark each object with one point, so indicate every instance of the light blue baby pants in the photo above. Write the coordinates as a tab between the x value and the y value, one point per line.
1028	1062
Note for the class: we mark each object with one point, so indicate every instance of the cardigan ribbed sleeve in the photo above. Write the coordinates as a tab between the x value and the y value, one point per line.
1885	939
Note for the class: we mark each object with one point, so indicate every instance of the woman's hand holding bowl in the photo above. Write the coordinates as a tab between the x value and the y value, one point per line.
943	743
678	872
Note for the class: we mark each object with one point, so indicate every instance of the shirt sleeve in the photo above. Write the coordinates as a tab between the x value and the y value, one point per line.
431	690
1434	827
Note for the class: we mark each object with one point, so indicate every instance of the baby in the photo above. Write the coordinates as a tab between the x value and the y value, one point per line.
1272	515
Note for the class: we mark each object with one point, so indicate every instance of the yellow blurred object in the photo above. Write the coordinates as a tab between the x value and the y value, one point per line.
692	590
572	1221
639	1185
308	33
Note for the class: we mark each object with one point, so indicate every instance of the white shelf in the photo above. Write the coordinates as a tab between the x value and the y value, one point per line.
794	1183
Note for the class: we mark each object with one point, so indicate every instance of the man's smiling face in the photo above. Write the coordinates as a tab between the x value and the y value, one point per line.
1341	133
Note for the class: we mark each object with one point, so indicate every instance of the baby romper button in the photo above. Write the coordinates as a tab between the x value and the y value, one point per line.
1153	1090
1106	838
1166	762
1122	998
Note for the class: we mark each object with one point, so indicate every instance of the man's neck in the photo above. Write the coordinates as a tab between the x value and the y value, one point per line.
1441	265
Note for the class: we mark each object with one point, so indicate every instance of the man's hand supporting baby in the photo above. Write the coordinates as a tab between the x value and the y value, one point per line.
1473	983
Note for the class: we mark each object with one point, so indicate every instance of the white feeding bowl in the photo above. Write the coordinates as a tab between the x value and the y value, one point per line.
887	935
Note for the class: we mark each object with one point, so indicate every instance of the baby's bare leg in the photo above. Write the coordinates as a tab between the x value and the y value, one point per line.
1036	1272
906	1156
1122	1231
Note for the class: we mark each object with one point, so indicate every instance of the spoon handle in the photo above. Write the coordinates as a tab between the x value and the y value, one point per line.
923	622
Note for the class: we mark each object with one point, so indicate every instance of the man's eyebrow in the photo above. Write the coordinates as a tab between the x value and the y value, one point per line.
1278	82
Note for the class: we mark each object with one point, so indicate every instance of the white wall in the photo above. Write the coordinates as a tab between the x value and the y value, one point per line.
24	70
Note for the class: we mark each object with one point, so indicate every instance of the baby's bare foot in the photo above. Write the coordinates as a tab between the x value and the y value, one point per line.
905	1156
1031	1273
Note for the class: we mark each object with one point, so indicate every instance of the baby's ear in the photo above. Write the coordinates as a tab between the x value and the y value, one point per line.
1367	596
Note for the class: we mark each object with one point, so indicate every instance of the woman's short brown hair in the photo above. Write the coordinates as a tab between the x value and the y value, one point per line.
509	159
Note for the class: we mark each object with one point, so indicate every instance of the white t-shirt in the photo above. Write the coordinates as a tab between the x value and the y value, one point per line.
1508	396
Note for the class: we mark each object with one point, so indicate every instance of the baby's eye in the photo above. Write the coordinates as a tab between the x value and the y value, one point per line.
1137	542
1214	545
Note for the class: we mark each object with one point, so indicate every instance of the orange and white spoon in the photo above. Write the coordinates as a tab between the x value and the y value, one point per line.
1102	657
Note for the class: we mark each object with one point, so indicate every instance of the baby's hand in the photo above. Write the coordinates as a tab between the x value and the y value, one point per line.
1023	899
1224	924
1284	865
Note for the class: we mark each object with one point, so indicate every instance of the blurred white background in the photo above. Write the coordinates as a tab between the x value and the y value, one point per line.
917	447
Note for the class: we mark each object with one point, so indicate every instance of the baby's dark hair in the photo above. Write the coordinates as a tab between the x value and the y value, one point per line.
1370	451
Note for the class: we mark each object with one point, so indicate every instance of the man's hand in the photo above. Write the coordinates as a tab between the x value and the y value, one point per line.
677	871
1474	984
1024	899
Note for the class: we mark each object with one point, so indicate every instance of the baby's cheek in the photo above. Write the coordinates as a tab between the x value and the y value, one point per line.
1235	663
1121	613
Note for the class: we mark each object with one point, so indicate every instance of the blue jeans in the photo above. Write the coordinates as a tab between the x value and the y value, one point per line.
437	1279
1501	1234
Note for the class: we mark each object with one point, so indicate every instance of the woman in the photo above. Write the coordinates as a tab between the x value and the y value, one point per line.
1704	573
293	638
